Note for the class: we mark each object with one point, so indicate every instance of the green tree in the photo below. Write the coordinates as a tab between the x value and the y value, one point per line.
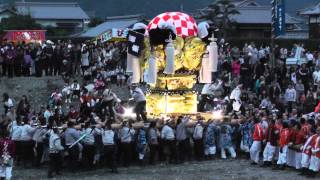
220	12
95	22
19	22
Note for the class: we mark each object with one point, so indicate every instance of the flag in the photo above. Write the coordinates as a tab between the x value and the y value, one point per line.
135	43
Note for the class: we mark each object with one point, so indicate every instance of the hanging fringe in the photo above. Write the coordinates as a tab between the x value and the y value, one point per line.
205	74
213	54
152	70
169	69
136	71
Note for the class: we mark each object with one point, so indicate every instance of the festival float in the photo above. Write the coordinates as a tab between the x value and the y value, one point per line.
171	54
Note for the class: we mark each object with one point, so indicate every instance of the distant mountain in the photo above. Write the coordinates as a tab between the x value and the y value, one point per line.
150	8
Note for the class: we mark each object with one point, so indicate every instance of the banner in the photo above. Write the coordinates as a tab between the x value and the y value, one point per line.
114	34
135	43
280	18
25	35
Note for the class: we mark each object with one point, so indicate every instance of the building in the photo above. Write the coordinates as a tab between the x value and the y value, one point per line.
6	12
254	21
112	25
314	20
63	16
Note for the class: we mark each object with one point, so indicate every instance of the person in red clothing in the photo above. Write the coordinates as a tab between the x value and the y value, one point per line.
73	114
270	149
7	153
306	127
258	137
298	143
291	160
306	153
315	157
283	146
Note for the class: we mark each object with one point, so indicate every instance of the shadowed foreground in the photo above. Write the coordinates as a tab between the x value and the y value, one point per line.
216	169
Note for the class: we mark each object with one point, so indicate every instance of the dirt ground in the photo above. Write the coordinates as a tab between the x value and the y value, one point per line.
38	90
215	169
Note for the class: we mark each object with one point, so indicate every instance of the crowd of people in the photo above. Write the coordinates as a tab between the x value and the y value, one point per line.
269	115
61	58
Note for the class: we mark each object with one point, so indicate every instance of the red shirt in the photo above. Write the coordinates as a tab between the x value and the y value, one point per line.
317	146
306	128
284	137
85	99
7	146
292	135
272	135
258	133
300	138
279	126
73	114
310	142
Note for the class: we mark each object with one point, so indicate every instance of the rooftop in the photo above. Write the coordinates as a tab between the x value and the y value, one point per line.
258	15
117	24
51	10
252	12
314	10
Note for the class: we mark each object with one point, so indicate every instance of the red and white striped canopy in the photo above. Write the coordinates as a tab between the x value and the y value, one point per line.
185	25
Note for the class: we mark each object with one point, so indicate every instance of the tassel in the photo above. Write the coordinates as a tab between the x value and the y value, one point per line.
213	54
169	57
205	75
152	70
136	72
129	62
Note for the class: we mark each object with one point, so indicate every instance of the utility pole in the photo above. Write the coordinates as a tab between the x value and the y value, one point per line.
273	33
181	6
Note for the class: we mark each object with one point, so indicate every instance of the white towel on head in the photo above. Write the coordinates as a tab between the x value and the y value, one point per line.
166	25
203	29
139	25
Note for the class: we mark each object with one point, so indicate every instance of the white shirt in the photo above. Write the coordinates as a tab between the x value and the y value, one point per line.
316	77
16	131
85	59
126	134
66	90
138	95
9	103
309	56
47	114
75	86
27	132
108	137
167	133
89	138
207	89
198	132
290	95
55	143
235	94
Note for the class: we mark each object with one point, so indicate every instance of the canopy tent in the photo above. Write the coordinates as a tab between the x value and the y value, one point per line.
109	29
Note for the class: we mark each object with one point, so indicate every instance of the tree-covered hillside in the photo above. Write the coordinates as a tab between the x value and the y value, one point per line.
150	8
